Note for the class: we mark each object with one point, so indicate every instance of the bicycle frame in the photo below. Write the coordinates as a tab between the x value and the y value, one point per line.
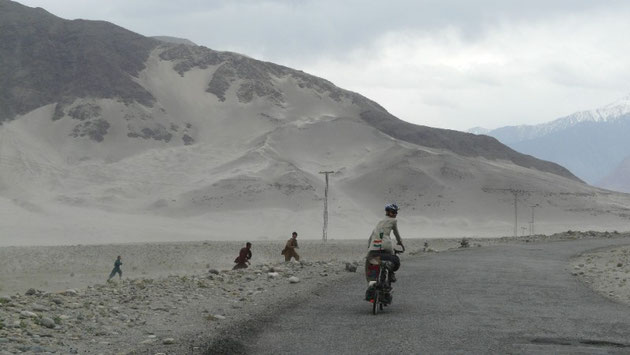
382	287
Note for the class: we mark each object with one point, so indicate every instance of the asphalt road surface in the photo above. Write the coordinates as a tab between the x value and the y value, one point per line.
503	300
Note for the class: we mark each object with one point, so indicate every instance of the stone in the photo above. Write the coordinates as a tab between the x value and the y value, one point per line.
30	292
214	271
273	275
28	314
351	267
168	341
39	308
38	349
47	322
294	280
70	292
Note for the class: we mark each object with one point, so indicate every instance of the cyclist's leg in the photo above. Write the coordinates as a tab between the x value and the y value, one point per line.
394	259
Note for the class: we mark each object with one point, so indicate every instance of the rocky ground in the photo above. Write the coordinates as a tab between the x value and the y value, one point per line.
606	271
182	312
129	315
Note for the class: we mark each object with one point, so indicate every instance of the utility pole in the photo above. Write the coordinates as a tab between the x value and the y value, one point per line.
325	229
516	193
515	212
531	223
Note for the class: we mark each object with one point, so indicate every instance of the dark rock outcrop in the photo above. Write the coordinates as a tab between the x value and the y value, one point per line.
46	59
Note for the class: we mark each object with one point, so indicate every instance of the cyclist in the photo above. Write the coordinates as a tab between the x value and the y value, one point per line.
380	244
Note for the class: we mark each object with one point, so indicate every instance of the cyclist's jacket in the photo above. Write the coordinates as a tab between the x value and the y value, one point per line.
380	239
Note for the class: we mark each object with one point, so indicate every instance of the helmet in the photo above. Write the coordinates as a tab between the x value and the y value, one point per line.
391	207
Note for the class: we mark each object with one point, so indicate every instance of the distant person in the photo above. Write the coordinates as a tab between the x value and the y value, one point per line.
380	243
289	249
243	257
116	270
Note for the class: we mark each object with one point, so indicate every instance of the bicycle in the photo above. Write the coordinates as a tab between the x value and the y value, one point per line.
382	289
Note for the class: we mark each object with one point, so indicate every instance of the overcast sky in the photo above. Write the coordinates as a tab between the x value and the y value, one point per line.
443	63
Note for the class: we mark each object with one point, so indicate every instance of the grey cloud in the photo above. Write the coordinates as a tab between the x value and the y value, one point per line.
567	75
281	29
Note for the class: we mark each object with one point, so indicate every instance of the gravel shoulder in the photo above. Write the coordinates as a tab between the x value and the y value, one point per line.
606	271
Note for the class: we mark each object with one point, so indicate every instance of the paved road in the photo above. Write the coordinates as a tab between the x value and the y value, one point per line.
504	299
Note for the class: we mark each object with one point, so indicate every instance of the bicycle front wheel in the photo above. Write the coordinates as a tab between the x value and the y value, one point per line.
376	304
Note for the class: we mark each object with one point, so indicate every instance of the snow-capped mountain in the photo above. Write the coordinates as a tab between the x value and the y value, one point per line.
606	114
589	143
109	135
610	112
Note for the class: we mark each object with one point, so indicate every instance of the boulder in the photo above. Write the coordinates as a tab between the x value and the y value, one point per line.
294	280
